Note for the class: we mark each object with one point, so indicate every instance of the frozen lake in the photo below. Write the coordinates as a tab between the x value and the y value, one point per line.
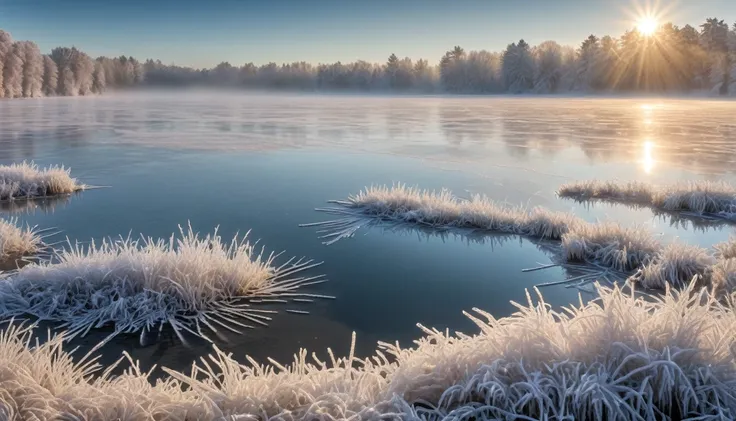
263	163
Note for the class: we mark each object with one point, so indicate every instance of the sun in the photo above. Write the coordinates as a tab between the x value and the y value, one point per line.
647	25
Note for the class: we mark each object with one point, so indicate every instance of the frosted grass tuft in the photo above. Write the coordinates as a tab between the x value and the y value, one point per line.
616	252
28	181
443	210
676	264
17	241
620	357
701	197
608	244
194	283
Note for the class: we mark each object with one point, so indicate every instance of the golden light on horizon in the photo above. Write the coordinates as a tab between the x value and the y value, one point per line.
647	25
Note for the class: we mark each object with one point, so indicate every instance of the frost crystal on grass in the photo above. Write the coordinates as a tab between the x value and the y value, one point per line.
701	197
192	283
28	181
16	241
620	357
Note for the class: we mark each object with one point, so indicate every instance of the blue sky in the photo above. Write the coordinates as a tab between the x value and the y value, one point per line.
203	33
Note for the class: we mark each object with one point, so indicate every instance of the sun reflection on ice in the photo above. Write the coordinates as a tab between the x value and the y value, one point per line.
647	157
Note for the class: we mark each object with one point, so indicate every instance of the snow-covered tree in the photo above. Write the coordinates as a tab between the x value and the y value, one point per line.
548	58
50	76
6	44
33	69
452	70
66	85
424	75
483	72
83	68
99	83
13	71
715	38
589	57
517	67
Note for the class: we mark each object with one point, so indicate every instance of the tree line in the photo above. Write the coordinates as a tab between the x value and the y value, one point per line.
670	59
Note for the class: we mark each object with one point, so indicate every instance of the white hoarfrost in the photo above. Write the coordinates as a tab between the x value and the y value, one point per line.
701	197
16	241
620	251
27	181
191	282
607	244
617	358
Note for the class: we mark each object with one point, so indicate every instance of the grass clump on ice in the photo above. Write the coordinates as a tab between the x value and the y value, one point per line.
606	244
16	241
190	282
677	264
28	181
701	197
441	209
610	245
620	357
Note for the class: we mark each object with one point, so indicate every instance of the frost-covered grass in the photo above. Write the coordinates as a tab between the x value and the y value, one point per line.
726	249
676	264
190	282
700	197
27	181
620	357
606	244
441	209
610	245
17	241
615	250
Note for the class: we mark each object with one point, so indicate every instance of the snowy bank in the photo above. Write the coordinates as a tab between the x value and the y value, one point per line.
28	181
616	358
16	241
193	283
701	197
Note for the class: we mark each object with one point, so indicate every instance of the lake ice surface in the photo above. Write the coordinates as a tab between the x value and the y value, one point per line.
264	162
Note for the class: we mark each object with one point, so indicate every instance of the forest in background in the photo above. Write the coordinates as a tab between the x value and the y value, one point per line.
672	59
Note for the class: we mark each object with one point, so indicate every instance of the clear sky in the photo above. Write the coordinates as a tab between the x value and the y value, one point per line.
205	32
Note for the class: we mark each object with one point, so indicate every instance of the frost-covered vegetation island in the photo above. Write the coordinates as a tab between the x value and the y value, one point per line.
28	181
701	197
632	253
671	59
193	283
616	358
